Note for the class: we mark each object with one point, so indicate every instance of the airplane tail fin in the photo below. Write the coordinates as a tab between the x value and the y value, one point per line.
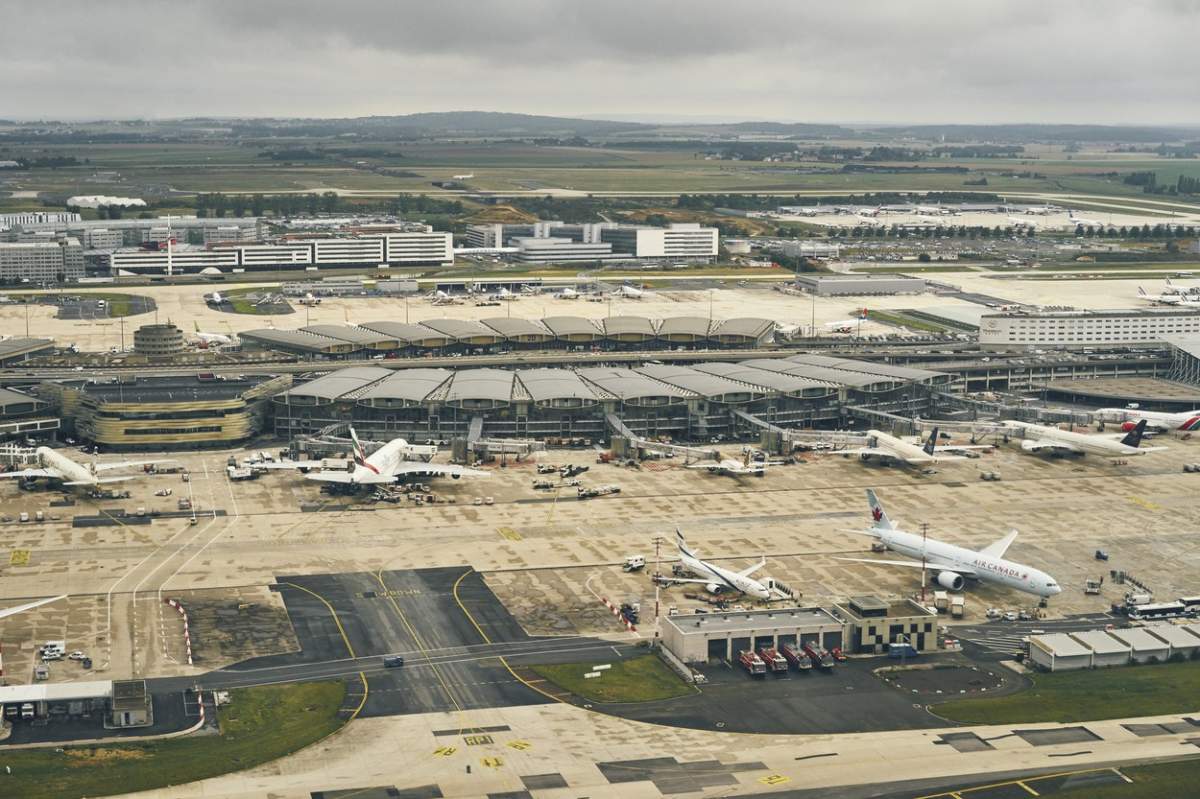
1142	291
931	443
1134	437
360	456
879	517
681	544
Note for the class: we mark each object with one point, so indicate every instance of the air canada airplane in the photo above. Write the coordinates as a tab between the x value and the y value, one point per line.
717	580
53	465
954	565
394	460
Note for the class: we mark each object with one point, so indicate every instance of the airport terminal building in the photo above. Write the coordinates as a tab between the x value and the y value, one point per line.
700	402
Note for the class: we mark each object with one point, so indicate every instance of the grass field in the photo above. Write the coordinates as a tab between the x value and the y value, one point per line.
643	678
260	725
1088	696
912	323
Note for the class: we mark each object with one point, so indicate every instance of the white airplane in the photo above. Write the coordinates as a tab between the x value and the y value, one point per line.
732	467
1040	438
309	299
211	339
387	464
6	612
1157	421
886	446
1019	222
954	565
842	325
215	298
466	176
629	292
717	580
1081	221
1041	210
54	465
566	293
1169	298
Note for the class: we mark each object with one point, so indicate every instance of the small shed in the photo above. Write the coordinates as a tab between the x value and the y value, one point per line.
1106	650
1179	639
1144	647
131	705
1059	652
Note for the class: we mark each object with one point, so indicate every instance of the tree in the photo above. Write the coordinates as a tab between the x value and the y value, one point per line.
257	205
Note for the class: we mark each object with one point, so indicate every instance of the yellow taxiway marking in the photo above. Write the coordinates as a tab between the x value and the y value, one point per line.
774	779
19	557
520	746
966	793
477	740
492	762
509	533
1145	504
445	751
1032	792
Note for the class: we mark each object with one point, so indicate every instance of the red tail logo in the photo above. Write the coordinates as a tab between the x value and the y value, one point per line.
877	513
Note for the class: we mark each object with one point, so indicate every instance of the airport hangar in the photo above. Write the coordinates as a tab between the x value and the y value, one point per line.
446	336
698	402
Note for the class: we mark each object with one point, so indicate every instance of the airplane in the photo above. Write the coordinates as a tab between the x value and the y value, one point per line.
1157	421
716	579
211	339
1040	438
309	299
1085	222
886	446
1041	210
215	298
734	468
629	292
954	565
566	293
1019	222
842	325
466	176
1169	298
387	464
54	465
6	612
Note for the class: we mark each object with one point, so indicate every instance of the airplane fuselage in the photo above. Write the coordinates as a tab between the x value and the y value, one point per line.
724	579
72	472
1082	441
985	568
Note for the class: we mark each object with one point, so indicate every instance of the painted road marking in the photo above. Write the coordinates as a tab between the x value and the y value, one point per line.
774	779
492	762
520	746
1144	503
19	557
445	751
509	533
477	740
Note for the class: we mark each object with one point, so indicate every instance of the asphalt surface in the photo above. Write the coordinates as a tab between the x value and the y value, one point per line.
450	664
173	711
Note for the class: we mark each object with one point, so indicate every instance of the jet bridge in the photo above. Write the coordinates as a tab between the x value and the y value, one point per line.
627	444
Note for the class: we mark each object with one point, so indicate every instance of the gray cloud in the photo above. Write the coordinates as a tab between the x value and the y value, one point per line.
921	60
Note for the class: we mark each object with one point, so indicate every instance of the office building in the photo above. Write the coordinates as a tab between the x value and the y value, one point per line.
680	241
537	250
158	340
855	285
102	239
26	218
41	261
1070	328
683	241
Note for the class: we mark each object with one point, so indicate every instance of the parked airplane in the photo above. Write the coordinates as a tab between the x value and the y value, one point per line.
1081	221
394	460
1040	438
842	325
1157	421
309	299
566	293
716	579
954	565
886	446
5	612
211	339
53	465
629	292
1169	298
735	468
215	298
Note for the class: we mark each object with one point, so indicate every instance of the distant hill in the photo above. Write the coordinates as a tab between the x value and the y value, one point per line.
1048	133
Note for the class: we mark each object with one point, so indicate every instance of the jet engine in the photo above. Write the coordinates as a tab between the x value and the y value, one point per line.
950	580
714	588
455	476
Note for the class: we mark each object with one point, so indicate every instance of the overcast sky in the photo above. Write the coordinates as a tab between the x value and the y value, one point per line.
1099	61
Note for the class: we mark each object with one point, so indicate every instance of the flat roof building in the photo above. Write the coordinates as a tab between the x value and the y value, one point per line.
1144	647
1070	328
876	624
1178	638
1059	652
701	638
860	285
53	261
1106	650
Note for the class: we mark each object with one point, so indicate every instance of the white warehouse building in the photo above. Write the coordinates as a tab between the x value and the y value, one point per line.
1067	329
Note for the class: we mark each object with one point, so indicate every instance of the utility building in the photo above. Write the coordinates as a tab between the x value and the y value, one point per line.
701	638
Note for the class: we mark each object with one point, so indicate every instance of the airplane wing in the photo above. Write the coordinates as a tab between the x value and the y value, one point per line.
32	473
997	548
887	452
437	470
1048	445
29	606
301	466
104	467
752	569
345	478
97	481
912	564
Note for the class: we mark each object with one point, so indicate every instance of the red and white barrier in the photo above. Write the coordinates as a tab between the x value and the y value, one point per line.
616	611
187	635
1	660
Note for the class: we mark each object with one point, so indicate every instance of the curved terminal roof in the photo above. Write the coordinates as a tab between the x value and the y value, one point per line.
464	330
549	386
627	385
907	373
684	328
709	386
839	377
412	335
521	329
298	340
480	386
629	328
341	383
775	381
743	328
573	327
354	335
407	386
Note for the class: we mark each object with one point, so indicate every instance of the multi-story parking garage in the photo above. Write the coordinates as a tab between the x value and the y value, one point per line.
433	336
701	402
